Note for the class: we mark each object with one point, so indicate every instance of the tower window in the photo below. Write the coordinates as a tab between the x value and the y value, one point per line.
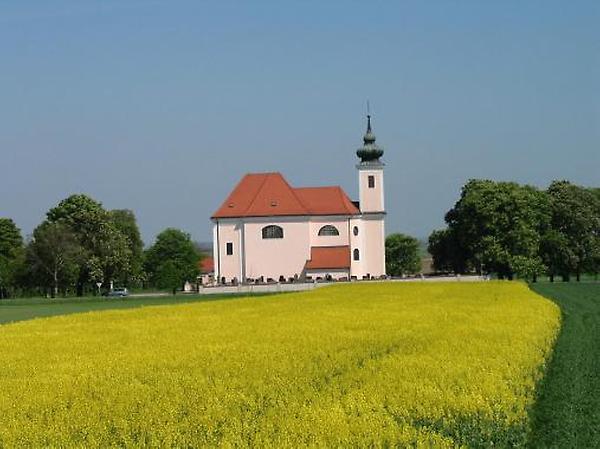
272	232
356	254
229	248
329	230
371	181
355	230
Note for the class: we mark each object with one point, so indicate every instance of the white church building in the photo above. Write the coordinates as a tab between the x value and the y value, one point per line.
268	230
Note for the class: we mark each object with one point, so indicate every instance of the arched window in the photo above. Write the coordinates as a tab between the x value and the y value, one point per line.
329	230
272	232
356	253
355	230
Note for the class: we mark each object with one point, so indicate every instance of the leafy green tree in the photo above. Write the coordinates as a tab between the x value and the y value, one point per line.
106	249
176	249
576	222
508	228
11	255
84	215
111	254
168	276
446	252
55	256
493	222
528	267
402	255
594	263
11	241
125	221
556	254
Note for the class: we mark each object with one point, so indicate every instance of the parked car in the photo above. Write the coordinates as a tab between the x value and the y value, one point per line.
118	292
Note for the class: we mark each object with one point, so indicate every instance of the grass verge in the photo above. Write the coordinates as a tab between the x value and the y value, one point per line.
25	309
567	412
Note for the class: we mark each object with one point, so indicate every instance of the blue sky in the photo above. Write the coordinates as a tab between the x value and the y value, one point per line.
161	106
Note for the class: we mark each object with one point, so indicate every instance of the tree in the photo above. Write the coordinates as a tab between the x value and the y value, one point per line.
511	229
54	255
11	254
172	260
493	222
11	241
84	215
593	265
110	254
167	276
576	223
528	267
446	252
556	254
106	250
124	220
402	255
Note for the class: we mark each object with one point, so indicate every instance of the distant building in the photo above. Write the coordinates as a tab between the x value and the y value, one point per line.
207	271
268	230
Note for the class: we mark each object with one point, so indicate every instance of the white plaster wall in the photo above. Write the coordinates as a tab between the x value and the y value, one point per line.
254	256
216	250
371	243
229	266
371	199
317	223
357	242
276	257
374	252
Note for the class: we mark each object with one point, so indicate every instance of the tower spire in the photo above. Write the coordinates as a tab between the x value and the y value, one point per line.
370	152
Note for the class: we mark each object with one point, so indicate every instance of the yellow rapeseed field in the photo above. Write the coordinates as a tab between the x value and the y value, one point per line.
377	364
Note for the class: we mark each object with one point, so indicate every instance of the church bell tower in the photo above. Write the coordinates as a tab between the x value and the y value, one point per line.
370	174
367	239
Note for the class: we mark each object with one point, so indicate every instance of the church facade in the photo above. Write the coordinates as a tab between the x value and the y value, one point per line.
267	230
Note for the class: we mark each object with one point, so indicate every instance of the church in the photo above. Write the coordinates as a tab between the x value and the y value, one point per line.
266	230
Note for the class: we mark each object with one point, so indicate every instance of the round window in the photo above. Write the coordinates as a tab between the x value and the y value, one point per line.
355	230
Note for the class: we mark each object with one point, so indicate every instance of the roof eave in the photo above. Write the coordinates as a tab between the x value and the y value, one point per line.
337	214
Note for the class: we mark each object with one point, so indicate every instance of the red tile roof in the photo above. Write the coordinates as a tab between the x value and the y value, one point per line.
328	257
326	201
206	265
269	194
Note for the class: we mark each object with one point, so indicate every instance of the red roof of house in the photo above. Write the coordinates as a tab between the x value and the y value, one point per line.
206	265
328	257
269	194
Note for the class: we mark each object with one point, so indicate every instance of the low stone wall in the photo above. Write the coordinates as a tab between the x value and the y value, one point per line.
302	286
262	288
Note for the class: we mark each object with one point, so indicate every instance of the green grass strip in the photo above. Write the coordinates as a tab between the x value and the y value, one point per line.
567	412
28	308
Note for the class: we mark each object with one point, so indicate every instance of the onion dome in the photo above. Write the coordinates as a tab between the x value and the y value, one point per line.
370	151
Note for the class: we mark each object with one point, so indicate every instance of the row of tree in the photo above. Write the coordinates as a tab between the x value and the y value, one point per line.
495	227
518	230
81	245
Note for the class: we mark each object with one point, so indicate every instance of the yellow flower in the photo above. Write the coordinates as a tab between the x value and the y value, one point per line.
377	364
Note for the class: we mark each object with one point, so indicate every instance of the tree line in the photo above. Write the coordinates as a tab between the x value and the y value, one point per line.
495	227
80	246
518	230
